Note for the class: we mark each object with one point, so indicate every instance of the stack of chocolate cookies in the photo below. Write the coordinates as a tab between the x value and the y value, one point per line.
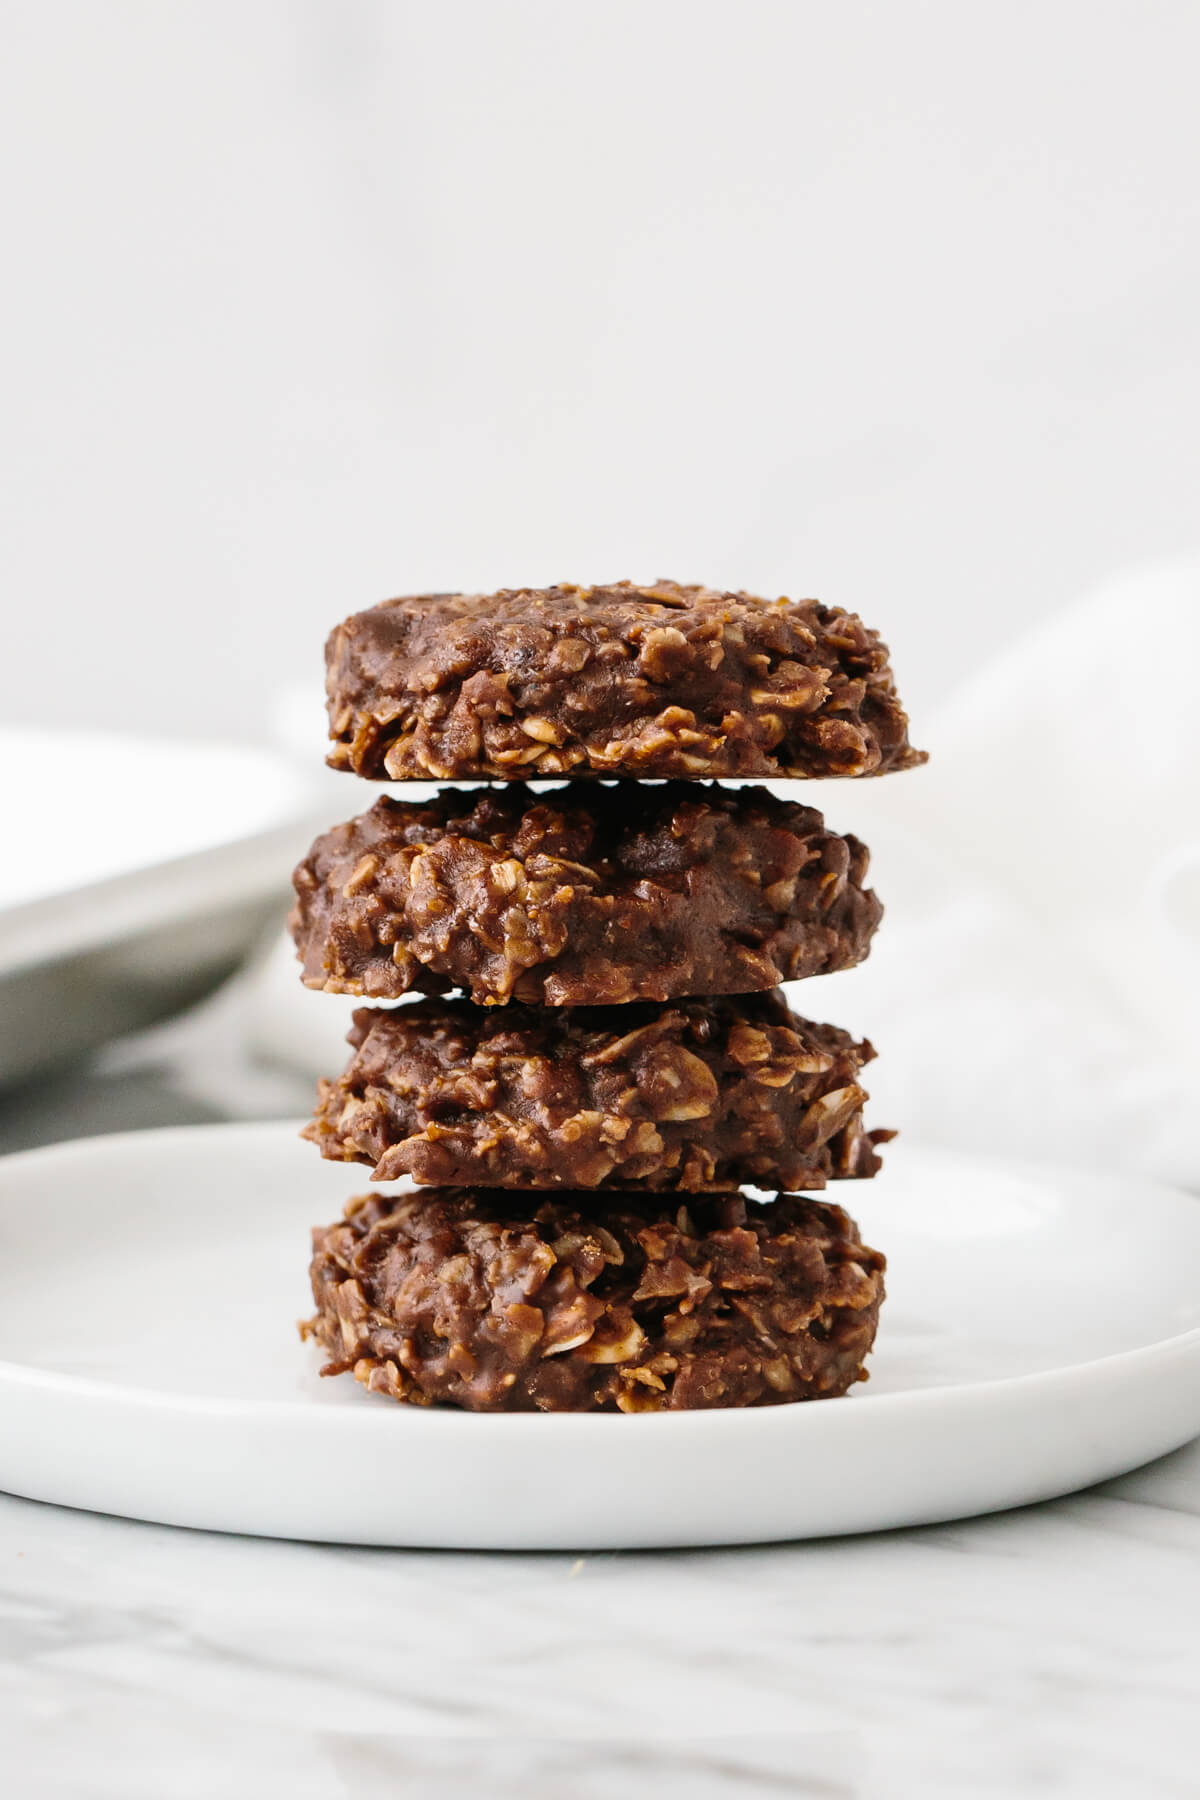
580	1122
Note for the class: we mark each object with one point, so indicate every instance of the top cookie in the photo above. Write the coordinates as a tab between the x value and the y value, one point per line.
649	682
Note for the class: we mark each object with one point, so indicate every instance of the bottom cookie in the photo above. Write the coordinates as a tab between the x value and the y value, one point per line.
460	1296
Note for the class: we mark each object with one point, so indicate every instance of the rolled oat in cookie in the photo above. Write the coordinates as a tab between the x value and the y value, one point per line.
622	892
513	1302
661	681
696	1094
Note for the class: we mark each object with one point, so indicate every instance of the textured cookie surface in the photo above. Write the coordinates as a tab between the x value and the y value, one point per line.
623	892
486	1301
655	681
695	1094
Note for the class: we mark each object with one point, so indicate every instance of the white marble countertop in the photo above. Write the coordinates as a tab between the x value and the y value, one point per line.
1049	1651
1052	1651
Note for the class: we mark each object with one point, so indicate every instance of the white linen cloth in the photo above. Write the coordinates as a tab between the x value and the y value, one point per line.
1034	989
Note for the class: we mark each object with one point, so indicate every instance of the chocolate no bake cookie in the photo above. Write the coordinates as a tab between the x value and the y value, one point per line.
631	893
634	681
697	1094
464	1297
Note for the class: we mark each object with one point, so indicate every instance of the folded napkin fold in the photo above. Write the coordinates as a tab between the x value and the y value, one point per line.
1036	990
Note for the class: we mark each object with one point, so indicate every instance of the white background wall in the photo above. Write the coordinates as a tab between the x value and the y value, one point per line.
306	304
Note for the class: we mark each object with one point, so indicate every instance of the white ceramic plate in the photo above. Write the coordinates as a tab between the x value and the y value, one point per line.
141	872
1042	1332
